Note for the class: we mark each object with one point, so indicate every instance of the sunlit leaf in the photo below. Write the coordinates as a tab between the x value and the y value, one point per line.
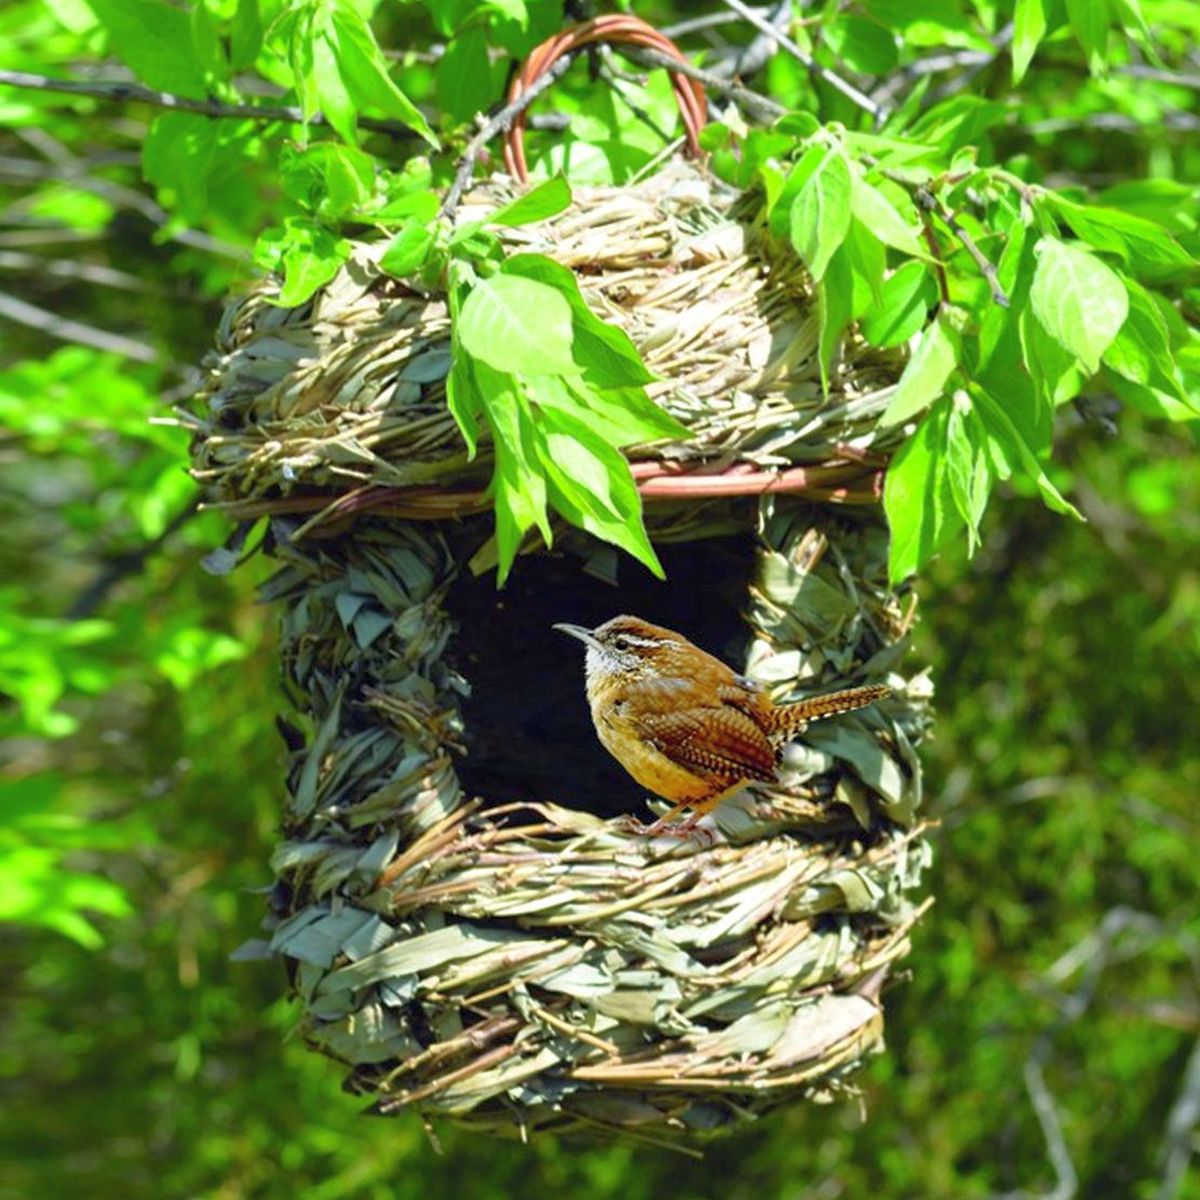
1080	302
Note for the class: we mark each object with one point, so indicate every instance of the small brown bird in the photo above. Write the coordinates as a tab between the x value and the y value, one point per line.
682	723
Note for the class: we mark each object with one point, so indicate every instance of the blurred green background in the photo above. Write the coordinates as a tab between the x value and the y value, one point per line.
1044	1042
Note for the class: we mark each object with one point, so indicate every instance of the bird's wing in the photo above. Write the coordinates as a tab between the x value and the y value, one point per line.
716	741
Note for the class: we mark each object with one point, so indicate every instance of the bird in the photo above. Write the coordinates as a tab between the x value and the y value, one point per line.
683	723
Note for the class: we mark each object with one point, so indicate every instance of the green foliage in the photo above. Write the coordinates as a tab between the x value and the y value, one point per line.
138	793
981	348
560	397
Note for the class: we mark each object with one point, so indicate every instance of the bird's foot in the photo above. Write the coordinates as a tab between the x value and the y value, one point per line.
665	827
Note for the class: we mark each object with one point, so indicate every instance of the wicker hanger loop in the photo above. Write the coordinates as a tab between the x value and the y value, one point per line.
614	29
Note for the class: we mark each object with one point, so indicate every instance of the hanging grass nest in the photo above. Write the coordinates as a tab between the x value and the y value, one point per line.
467	923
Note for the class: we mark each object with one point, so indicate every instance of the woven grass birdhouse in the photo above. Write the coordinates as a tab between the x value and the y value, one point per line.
468	923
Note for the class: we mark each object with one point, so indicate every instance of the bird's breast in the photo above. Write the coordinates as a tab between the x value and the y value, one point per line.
621	737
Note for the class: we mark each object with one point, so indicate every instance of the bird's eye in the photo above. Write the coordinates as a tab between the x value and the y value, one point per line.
621	643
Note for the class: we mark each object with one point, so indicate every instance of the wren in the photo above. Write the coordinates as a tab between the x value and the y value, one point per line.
685	725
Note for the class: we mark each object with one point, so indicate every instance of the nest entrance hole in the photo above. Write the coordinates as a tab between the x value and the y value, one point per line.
529	733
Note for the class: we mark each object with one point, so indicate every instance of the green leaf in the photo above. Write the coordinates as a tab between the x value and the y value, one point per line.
408	250
861	44
907	296
740	159
602	351
591	485
518	325
1018	449
1167	203
1141	351
835	296
967	466
245	35
882	218
819	216
1156	403
518	490
1139	241
546	200
924	378
918	497
463	398
1080	302
957	122
1014	272
154	40
1029	27
463	76
363	71
935	23
1133	21
1089	20
206	46
326	91
307	254
868	262
622	416
327	178
178	153
1053	370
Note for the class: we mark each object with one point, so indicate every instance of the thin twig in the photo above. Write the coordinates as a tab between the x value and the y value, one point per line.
1066	1178
70	268
119	91
1157	75
750	59
758	107
1177	1148
927	202
711	20
500	122
834	80
74	170
615	77
75	331
121	566
935	64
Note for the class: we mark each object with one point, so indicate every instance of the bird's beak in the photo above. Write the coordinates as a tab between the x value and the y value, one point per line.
578	631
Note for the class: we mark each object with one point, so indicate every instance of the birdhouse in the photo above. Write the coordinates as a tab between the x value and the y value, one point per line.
468	922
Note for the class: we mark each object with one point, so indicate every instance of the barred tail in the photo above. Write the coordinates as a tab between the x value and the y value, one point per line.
792	718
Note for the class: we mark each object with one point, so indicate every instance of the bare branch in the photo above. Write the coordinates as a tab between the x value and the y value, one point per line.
927	202
74	331
122	566
1176	79
1181	1127
758	107
749	60
70	268
119	91
499	122
807	61
1066	1178
66	166
1116	122
713	20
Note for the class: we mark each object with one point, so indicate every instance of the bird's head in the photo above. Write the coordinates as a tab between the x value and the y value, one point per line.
623	646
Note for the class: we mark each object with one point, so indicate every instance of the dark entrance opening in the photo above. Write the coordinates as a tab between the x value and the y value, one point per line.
529	733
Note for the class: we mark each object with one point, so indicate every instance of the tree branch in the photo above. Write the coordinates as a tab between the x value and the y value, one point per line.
927	202
500	122
70	268
75	331
757	106
118	91
123	565
807	61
